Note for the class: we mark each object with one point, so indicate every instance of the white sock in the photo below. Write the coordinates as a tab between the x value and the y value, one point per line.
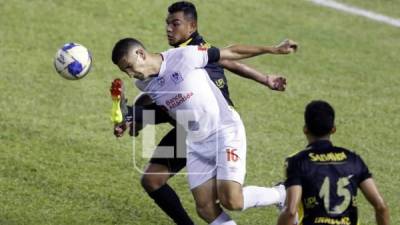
254	196
223	219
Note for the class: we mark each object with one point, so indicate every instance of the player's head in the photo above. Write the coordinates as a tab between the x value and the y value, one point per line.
129	55
181	22
319	119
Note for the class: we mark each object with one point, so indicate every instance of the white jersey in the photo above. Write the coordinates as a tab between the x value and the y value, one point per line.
185	90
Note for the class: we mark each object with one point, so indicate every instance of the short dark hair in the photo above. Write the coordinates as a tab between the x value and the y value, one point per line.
319	118
122	47
188	9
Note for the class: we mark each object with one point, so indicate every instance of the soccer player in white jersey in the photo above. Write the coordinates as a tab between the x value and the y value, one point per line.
216	141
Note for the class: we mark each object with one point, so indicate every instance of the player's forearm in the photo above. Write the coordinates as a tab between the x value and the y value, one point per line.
372	194
286	218
237	52
382	215
243	70
288	215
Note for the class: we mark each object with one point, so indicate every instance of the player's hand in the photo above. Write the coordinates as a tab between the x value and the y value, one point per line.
134	128
120	128
287	46
276	83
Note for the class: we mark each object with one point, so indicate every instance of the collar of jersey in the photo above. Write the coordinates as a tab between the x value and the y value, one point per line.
162	67
320	144
185	43
195	35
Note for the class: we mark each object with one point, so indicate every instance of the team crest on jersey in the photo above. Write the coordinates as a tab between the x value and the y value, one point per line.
160	81
220	83
176	77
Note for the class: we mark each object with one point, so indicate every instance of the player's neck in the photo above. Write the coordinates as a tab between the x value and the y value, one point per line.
311	139
154	64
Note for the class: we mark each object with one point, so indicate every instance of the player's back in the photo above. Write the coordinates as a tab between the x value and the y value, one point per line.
330	177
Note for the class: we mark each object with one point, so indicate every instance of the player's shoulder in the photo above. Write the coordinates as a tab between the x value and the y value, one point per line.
172	51
178	53
298	154
190	53
355	162
185	50
296	158
350	154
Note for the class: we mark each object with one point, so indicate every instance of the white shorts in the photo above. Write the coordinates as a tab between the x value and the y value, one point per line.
222	155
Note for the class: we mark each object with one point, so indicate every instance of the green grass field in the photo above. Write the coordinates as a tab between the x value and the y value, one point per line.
60	163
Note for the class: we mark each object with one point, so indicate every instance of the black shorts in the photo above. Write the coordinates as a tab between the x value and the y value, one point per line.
174	164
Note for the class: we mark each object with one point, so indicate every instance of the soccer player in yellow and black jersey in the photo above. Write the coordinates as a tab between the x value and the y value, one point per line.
323	179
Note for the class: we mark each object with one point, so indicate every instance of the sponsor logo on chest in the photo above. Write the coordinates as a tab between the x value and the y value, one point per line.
178	99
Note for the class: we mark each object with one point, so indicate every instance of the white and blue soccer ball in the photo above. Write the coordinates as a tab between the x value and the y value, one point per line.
73	61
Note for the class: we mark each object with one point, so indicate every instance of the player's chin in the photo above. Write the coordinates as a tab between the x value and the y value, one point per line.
171	41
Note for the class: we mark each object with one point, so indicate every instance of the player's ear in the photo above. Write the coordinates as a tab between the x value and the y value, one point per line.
333	130
305	130
193	26
141	53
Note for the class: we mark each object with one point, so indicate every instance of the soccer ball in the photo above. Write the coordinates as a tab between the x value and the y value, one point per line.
73	61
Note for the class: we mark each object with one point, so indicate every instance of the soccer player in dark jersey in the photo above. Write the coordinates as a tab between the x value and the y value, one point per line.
322	180
181	29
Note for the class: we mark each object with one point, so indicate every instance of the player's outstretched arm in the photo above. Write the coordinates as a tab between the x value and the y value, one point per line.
237	52
372	194
288	215
274	82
